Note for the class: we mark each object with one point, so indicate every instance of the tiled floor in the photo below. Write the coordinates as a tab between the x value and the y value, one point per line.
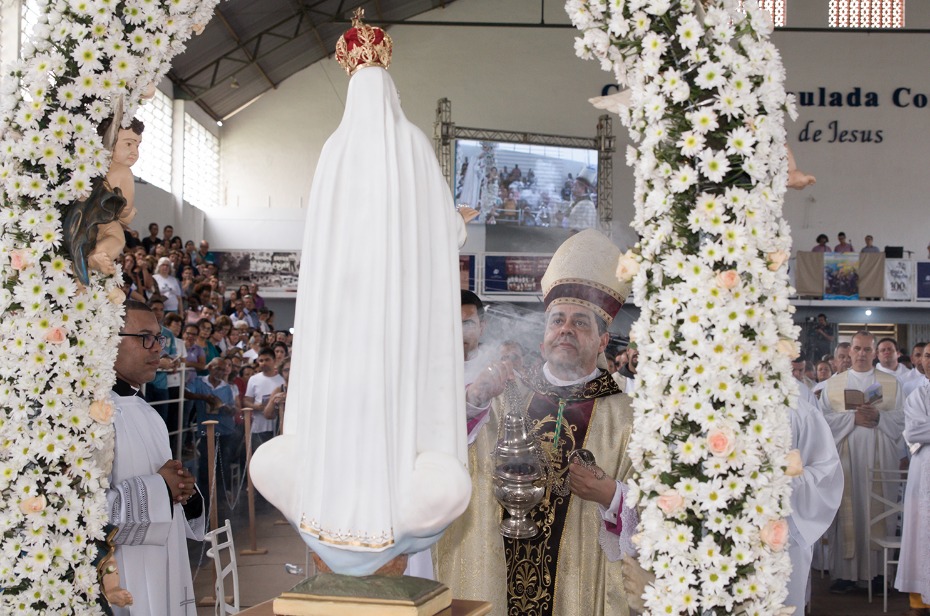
263	577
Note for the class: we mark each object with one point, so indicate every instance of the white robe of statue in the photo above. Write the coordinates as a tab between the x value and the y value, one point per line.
860	449
151	542
372	462
815	495
914	564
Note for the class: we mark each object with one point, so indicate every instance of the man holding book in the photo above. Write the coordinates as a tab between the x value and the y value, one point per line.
864	409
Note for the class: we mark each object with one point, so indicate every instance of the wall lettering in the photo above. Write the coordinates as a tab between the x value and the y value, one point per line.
835	133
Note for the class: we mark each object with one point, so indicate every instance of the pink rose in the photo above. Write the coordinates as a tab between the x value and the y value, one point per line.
776	259
670	502
728	279
33	504
101	411
116	296
18	260
787	347
721	442
794	466
775	534
55	335
627	266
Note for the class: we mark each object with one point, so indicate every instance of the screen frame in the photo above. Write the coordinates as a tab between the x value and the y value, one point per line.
446	132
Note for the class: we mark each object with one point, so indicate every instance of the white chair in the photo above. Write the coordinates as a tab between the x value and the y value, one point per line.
880	510
220	541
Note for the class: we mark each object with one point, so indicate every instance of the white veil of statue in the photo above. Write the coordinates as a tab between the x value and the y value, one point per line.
372	462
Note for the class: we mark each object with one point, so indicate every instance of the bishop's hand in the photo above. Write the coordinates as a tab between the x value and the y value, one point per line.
590	484
488	384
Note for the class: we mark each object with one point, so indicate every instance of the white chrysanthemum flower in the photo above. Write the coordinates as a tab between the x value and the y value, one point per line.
714	165
689	32
703	121
691	143
740	140
710	75
682	179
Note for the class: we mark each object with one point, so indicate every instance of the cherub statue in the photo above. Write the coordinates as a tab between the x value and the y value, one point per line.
108	574
110	237
797	179
93	227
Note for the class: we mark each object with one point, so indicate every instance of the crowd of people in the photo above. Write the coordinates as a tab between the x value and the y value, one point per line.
223	351
220	347
823	244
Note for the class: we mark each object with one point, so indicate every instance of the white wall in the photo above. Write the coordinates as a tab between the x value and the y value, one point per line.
877	188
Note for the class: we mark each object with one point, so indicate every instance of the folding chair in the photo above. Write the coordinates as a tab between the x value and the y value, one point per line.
221	540
880	510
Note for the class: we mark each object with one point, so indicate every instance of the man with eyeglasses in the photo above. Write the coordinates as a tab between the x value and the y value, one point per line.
152	499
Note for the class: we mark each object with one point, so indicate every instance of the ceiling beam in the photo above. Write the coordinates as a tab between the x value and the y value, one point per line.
316	33
254	43
235	36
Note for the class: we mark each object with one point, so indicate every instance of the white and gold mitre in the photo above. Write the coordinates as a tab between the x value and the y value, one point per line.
583	272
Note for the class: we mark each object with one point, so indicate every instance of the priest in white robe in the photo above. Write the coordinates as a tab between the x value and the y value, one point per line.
815	495
867	436
152	499
914	562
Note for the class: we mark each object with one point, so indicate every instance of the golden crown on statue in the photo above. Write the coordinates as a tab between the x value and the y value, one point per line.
363	45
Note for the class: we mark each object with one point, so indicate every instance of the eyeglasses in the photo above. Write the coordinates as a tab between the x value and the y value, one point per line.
149	340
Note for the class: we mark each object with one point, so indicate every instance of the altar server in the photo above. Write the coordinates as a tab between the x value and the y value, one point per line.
152	499
914	563
815	495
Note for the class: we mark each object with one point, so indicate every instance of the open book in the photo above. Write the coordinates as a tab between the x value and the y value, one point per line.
871	395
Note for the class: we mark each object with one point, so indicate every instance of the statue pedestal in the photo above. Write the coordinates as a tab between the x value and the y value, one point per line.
459	608
331	594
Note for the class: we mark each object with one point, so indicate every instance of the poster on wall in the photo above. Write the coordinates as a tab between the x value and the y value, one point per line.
467	272
270	270
898	279
923	280
510	274
840	275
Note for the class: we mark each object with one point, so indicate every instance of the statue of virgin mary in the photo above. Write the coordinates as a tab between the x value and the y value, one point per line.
372	460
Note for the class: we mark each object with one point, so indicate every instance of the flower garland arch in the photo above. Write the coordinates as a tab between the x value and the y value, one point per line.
705	106
58	337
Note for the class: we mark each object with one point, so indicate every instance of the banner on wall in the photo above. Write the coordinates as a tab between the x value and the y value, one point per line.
467	272
512	274
270	270
899	283
840	275
923	280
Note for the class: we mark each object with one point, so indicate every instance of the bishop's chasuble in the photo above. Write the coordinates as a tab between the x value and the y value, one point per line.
562	571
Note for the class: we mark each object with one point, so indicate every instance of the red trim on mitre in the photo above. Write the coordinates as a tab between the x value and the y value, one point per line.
605	303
